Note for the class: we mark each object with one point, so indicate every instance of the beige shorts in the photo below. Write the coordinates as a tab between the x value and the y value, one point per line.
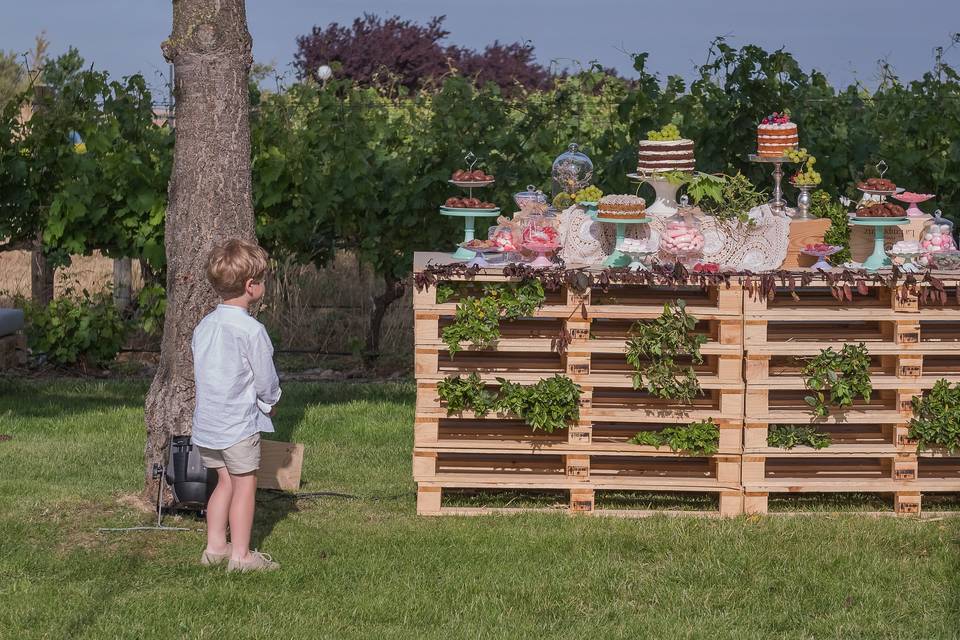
240	458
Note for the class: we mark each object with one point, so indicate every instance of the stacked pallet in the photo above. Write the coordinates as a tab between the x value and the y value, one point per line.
911	345
591	457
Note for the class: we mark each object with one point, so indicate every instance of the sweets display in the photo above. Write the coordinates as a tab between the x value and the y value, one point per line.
938	237
637	245
464	175
502	236
881	185
881	210
776	135
468	203
481	245
946	260
681	238
665	150
621	207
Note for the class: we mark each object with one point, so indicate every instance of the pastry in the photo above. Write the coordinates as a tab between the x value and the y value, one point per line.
621	206
881	210
776	135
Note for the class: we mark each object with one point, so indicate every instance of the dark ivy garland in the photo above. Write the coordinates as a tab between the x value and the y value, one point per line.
927	287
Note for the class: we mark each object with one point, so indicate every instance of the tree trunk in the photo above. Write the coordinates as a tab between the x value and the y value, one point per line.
122	283
393	291
210	199
41	276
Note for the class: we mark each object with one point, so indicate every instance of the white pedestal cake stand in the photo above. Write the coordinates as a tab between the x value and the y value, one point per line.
666	202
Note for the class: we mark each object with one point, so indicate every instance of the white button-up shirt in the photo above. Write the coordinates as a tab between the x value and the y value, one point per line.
236	382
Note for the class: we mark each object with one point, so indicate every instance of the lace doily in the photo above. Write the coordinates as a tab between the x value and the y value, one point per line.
586	241
761	247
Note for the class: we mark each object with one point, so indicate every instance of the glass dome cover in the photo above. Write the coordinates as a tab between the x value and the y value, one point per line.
572	171
681	237
938	234
531	194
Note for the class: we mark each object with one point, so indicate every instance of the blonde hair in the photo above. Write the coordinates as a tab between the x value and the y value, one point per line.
232	263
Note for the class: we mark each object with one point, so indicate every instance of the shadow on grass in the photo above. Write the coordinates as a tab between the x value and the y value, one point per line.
272	509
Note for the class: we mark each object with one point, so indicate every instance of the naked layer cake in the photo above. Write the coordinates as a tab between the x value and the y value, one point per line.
665	150
622	207
776	135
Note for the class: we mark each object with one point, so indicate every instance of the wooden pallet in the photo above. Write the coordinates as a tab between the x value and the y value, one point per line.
432	433
616	403
891	365
858	472
581	501
847	439
579	473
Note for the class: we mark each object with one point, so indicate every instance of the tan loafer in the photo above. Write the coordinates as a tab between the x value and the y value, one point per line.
213	559
255	561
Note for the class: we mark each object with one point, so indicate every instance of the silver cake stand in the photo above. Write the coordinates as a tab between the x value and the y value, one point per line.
777	204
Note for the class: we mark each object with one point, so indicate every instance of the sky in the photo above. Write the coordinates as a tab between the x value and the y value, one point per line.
843	38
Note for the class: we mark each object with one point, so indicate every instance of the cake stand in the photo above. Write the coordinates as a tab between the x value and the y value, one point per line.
821	264
469	217
778	205
913	198
484	257
666	202
618	258
541	250
637	259
909	260
879	257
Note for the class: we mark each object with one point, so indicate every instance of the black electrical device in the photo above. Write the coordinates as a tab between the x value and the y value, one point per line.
191	482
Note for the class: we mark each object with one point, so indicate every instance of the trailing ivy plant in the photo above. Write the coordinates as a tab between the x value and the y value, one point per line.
699	438
728	198
936	417
548	405
842	376
788	436
655	345
477	320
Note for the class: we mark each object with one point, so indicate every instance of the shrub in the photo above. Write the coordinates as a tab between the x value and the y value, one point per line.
86	329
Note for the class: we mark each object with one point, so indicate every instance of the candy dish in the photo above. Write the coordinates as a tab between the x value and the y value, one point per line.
913	199
619	258
821	251
541	250
948	260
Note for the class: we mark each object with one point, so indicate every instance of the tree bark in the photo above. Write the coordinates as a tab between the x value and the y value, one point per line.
122	283
393	291
41	275
210	199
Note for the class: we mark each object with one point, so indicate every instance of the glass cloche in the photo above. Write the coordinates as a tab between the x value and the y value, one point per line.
531	194
938	235
572	171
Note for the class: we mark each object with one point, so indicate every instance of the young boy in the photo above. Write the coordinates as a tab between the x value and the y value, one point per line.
236	390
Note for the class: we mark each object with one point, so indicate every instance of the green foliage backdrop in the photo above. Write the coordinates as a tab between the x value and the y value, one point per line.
338	166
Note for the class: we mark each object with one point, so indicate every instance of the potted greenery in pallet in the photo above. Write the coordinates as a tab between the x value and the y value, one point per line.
936	418
549	405
654	347
697	438
837	378
477	319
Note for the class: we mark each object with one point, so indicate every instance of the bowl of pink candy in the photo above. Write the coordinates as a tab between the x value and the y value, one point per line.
681	238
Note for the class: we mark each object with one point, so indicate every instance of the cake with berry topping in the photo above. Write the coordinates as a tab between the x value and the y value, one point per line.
621	207
665	150
776	135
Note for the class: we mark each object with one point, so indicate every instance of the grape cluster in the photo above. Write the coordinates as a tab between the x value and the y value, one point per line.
807	175
562	200
588	194
667	132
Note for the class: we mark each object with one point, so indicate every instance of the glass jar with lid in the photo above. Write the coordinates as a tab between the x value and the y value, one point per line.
572	171
938	235
682	238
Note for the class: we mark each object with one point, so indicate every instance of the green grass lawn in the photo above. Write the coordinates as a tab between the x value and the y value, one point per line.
368	567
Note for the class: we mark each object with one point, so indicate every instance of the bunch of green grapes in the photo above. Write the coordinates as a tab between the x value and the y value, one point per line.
807	175
667	132
588	194
562	200
796	155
